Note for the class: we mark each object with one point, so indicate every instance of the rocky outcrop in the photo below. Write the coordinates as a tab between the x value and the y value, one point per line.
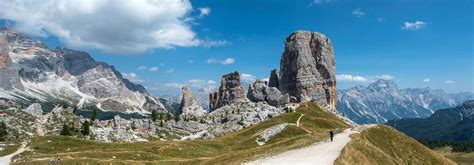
9	77
307	68
229	92
274	78
34	109
189	106
260	92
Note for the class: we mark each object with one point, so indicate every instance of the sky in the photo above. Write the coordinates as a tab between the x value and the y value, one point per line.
163	44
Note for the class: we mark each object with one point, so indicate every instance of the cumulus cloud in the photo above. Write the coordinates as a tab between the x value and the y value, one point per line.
204	11
133	77
171	70
413	25
248	77
357	78
175	85
317	2
195	83
115	26
154	69
227	61
426	80
449	82
358	12
380	20
142	67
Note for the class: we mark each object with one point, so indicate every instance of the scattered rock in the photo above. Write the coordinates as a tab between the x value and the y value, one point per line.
268	133
260	92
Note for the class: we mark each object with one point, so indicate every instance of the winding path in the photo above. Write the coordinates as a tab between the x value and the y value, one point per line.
321	153
5	160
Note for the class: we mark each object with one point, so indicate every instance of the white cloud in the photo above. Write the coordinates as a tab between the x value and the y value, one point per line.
175	85
317	2
426	80
214	43
133	77
170	70
380	20
413	25
154	69
346	77
358	12
142	67
211	82
204	11
190	61
449	82
115	26
357	78
227	61
248	77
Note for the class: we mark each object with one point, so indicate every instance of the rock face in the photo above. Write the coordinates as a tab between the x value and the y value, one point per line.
274	78
260	92
34	109
229	92
189	106
307	68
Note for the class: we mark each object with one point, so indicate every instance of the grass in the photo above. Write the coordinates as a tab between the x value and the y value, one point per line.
385	145
233	148
462	158
10	149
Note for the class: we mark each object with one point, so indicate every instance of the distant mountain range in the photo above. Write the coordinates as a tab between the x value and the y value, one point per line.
382	100
452	124
32	73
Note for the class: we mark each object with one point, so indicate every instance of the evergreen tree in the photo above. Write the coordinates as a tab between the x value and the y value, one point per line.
85	129
74	110
3	131
94	115
154	115
161	124
161	116
168	117
177	118
66	131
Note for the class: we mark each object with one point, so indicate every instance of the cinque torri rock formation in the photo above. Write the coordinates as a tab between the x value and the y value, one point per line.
307	68
230	91
189	105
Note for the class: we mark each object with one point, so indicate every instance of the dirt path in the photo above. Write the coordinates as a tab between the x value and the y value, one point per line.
321	153
5	160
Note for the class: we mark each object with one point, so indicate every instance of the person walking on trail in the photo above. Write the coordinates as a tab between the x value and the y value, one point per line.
331	133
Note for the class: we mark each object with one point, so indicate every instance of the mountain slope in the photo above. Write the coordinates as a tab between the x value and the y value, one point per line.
232	148
385	145
31	73
382	100
454	124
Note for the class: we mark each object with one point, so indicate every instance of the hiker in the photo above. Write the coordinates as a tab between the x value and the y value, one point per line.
331	133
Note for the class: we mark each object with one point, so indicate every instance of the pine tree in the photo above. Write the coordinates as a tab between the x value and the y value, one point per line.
85	129
66	131
154	115
161	124
177	118
3	131
161	116
74	110
168	117
94	115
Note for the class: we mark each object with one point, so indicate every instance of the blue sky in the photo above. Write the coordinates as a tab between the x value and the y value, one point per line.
418	44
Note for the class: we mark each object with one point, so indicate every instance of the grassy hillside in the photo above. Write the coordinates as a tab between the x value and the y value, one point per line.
233	148
385	145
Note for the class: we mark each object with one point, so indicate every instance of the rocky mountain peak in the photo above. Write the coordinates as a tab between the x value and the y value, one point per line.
189	106
383	84
307	68
230	91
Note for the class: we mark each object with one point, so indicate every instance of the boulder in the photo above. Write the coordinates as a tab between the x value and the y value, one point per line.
307	68
34	109
230	91
260	92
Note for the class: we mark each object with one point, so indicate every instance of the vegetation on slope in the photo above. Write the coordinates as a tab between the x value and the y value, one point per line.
385	145
233	148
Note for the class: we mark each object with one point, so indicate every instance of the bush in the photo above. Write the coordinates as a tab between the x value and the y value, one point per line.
3	131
